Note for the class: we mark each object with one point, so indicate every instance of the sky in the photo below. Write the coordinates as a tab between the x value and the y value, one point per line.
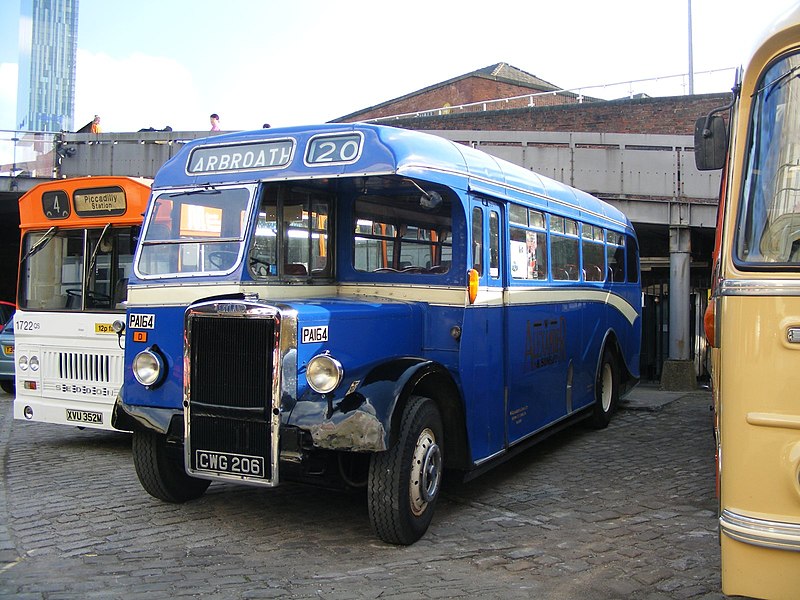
153	63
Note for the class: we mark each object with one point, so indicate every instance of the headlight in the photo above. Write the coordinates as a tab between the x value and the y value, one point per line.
34	363
23	363
324	373
148	367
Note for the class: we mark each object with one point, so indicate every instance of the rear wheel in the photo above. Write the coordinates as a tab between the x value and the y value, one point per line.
405	480
606	391
160	469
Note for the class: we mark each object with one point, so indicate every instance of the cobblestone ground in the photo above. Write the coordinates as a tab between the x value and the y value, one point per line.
628	512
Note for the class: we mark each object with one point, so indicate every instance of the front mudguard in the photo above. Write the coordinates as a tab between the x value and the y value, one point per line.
358	416
126	417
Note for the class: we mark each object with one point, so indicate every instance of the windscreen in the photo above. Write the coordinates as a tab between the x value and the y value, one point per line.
769	220
77	269
194	233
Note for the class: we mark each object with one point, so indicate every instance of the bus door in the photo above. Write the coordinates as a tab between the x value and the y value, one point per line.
538	372
483	341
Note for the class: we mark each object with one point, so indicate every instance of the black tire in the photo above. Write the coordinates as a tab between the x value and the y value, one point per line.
160	469
8	387
404	481
606	391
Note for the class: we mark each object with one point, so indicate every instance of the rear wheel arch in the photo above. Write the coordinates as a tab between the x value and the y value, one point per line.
607	384
626	376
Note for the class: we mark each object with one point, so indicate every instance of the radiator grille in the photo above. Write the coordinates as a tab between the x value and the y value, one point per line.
231	361
231	436
83	367
230	387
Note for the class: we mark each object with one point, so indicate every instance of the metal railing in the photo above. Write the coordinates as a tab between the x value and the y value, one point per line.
31	155
27	154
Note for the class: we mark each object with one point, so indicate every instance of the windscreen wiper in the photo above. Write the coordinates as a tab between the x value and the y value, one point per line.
93	260
40	243
205	190
779	82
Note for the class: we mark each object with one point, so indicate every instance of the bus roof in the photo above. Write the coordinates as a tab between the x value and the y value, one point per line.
781	34
32	208
384	150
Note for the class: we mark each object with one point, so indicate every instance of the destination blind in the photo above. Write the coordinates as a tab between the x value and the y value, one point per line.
105	201
271	154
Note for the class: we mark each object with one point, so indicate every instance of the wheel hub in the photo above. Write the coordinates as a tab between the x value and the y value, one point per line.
426	472
606	387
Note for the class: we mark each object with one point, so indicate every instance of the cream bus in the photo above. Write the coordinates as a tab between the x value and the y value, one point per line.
753	322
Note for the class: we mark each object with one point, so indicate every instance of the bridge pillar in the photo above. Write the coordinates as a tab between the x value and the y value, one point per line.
678	370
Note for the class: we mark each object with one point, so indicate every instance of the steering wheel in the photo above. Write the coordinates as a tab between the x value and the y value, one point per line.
259	267
221	259
98	296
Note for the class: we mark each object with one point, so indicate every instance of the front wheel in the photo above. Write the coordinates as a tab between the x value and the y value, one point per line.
404	481
606	391
160	469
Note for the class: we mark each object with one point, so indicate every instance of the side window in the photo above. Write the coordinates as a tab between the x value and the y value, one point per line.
292	237
528	248
633	258
395	233
494	244
564	249
615	256
477	240
305	241
593	253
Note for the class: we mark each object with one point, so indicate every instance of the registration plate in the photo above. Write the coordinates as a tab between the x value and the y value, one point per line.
233	464
84	416
8	350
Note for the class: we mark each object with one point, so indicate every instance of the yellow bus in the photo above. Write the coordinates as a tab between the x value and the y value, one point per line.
753	322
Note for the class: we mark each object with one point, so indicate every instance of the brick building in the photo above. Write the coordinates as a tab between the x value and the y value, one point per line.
500	80
470	102
672	115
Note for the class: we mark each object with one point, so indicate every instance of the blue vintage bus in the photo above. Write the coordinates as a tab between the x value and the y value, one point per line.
367	306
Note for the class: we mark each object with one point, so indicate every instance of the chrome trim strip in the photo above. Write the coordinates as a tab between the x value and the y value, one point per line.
485	459
759	287
776	535
764	419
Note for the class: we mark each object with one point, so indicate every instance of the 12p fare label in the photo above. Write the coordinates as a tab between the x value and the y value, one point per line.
310	335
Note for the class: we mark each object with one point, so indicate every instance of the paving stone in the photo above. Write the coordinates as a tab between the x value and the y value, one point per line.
620	513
